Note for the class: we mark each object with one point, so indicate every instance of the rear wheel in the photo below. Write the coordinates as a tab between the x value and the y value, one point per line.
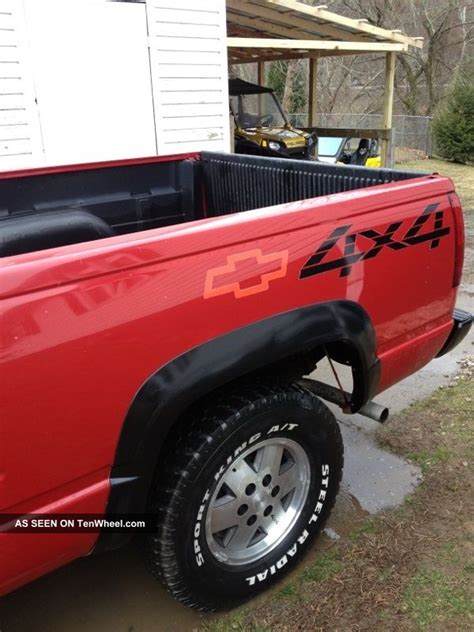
248	487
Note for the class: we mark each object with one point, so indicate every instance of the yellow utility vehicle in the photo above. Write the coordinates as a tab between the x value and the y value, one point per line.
262	127
349	151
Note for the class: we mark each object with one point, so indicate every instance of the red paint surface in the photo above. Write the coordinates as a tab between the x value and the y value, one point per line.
83	326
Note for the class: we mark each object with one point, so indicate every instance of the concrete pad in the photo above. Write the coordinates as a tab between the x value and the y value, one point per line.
377	478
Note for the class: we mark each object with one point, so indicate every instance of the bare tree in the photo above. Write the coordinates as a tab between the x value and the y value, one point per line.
291	71
448	30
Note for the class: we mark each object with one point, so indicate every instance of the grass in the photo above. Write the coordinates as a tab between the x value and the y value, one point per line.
326	566
409	569
370	526
433	597
236	622
427	459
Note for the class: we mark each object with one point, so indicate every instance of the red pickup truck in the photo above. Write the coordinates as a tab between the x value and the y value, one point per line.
158	317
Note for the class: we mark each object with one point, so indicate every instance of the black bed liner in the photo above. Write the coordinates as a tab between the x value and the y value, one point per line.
47	210
236	183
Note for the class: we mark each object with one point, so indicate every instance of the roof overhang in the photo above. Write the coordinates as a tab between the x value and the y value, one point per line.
265	30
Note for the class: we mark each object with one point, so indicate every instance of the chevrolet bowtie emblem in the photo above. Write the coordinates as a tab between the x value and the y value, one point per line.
275	265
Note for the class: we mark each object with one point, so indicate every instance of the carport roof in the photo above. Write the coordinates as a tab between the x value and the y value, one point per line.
264	30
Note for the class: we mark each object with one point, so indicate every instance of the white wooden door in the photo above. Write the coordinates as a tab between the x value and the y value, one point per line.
20	136
188	54
92	74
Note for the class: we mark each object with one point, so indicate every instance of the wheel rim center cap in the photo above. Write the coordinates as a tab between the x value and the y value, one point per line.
257	501
260	502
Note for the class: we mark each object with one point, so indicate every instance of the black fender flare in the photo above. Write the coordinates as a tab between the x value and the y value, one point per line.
167	393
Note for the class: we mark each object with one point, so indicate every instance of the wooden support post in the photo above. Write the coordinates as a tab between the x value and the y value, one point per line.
261	82
312	91
232	133
388	108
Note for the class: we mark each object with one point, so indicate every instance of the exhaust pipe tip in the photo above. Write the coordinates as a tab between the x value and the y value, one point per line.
342	399
375	411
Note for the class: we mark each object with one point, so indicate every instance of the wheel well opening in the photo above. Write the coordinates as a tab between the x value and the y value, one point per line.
287	369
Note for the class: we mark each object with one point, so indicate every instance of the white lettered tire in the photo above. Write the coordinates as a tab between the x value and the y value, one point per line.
241	497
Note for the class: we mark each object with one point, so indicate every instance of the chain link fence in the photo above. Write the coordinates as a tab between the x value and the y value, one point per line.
410	132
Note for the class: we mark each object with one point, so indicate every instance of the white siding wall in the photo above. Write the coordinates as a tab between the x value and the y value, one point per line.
188	55
20	137
90	80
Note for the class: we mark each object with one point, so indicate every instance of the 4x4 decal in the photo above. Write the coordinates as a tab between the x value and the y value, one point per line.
318	263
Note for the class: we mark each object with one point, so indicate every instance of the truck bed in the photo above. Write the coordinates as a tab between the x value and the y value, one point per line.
46	208
109	346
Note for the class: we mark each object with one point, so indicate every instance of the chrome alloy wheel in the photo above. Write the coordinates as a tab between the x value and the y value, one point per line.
257	501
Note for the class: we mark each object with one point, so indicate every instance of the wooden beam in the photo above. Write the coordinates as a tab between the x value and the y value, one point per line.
253	56
270	28
287	19
265	56
232	133
262	26
388	105
338	53
313	91
367	47
352	132
336	19
261	73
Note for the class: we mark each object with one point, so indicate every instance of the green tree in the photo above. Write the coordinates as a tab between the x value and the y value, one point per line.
276	77
454	124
